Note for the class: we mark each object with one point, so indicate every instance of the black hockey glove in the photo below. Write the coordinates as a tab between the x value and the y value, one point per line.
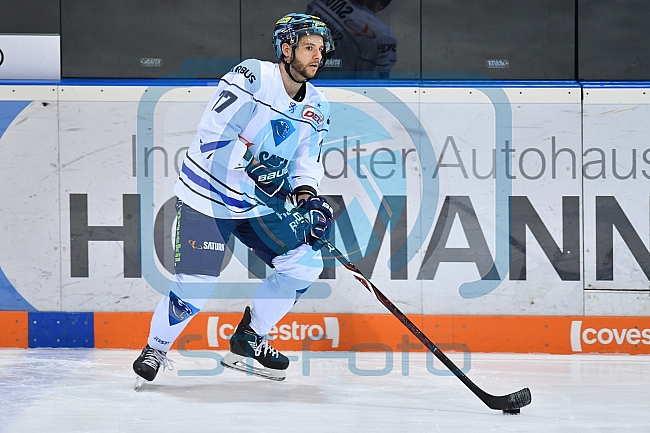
320	214
270	177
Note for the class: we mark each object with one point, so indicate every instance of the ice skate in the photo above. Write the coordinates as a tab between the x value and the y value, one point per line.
251	353
146	366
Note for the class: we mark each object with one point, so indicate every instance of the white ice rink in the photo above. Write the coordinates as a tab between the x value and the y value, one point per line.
90	390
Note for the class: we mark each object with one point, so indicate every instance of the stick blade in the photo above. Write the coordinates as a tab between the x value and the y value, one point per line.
510	403
520	399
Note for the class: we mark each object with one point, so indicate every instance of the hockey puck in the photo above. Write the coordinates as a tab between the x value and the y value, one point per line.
511	411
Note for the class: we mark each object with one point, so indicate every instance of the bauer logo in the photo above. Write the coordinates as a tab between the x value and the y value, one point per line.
151	62
497	63
328	329
582	337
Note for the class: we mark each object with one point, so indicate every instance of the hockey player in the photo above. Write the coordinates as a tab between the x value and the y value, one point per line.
258	144
365	45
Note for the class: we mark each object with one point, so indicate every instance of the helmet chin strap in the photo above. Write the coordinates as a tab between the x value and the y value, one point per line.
287	67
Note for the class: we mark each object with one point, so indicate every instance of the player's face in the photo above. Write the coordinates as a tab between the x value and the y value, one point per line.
309	53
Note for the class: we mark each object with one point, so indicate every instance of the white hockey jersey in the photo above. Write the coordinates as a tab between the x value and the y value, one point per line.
251	106
362	41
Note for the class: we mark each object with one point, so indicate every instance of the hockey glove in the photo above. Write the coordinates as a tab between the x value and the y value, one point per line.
320	214
270	177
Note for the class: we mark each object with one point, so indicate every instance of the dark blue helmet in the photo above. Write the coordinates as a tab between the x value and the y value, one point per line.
290	27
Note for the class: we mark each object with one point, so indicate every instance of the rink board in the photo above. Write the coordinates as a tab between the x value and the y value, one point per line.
473	200
346	332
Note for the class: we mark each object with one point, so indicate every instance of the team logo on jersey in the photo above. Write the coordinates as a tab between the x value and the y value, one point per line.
313	115
281	130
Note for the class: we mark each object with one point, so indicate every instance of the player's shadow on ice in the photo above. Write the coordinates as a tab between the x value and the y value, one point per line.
249	391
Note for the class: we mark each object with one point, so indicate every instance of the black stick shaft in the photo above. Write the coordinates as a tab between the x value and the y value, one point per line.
405	321
508	402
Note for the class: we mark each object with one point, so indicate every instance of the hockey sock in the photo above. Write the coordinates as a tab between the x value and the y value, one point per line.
273	299
175	310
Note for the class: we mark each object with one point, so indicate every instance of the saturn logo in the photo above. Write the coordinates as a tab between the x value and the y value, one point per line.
2	57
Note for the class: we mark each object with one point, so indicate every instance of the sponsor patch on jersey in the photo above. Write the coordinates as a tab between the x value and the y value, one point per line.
313	115
207	246
247	73
386	48
281	130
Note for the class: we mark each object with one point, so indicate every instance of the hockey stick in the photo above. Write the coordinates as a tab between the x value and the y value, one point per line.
509	404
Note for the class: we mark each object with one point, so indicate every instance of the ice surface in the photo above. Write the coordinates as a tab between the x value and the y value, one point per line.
91	390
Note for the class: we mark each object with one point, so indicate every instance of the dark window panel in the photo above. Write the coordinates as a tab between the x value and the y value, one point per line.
522	39
149	38
614	39
258	19
29	16
400	16
403	17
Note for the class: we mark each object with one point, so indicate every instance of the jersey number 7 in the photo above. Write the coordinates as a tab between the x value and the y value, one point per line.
226	98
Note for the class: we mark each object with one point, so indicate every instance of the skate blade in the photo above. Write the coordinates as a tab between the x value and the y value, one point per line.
139	381
250	367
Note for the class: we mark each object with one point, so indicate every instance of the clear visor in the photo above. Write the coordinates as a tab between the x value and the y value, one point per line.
328	41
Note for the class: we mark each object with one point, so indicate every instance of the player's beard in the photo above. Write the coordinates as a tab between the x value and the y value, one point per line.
301	68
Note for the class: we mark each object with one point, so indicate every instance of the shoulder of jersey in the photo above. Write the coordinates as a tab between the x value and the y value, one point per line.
250	73
316	108
381	28
314	94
